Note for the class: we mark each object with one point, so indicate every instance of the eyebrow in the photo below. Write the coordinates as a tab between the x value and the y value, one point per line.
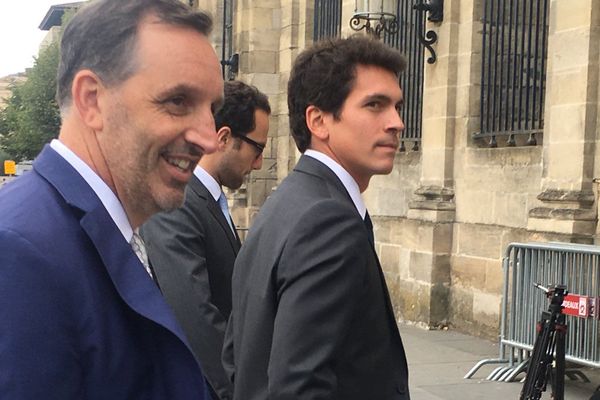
178	89
383	98
194	92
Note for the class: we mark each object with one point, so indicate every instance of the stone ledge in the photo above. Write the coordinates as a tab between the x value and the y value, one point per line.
435	205
435	198
582	229
563	214
584	198
435	193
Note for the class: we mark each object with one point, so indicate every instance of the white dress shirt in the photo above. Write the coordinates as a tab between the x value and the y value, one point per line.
104	193
347	180
209	182
216	192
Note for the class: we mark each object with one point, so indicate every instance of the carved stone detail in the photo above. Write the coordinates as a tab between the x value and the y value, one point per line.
434	198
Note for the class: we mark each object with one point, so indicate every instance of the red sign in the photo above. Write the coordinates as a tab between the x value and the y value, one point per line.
579	306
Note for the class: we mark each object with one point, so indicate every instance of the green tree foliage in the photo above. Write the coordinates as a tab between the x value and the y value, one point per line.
31	117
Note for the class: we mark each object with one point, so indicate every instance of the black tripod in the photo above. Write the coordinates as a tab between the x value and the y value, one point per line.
549	346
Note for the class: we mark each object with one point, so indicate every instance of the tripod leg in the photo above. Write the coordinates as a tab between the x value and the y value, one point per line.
558	378
538	363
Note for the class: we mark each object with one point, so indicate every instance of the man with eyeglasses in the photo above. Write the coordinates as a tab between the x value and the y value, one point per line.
193	248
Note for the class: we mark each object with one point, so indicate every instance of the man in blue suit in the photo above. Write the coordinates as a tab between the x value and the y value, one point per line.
80	314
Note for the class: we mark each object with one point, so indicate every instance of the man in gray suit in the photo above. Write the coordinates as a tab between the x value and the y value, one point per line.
192	249
311	316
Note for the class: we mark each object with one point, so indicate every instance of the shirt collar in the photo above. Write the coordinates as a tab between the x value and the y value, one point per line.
109	200
209	182
343	175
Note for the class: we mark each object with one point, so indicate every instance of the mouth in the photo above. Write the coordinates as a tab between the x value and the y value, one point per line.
391	146
182	164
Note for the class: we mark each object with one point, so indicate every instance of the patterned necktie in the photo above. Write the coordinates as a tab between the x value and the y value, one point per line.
225	210
139	248
369	226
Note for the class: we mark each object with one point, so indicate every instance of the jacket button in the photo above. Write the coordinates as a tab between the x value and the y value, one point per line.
401	388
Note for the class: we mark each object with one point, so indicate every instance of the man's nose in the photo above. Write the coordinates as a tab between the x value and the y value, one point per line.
202	132
257	164
396	124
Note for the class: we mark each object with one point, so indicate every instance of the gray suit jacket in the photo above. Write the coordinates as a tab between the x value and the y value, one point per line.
311	316
192	251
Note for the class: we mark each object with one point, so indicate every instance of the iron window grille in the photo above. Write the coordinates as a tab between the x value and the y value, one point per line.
513	78
411	81
229	60
327	19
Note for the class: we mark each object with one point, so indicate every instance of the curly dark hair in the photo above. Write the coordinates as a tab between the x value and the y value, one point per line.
240	102
323	75
102	35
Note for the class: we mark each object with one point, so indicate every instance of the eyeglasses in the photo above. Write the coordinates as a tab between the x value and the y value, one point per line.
258	146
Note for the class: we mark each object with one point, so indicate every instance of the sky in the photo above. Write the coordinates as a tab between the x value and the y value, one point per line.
19	34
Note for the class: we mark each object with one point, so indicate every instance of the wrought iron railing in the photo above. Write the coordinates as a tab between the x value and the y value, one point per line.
229	60
411	81
513	78
328	19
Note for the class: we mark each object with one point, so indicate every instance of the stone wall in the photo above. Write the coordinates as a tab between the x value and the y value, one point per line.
445	215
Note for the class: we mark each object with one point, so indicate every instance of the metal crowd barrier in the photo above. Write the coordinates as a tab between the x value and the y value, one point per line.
574	265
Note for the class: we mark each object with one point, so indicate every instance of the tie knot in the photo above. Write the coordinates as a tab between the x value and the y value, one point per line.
139	248
137	243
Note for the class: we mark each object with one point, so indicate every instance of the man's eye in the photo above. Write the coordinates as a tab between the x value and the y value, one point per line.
176	105
374	104
177	101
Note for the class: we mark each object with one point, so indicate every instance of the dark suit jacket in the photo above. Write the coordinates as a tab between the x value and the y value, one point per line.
80	316
311	314
192	251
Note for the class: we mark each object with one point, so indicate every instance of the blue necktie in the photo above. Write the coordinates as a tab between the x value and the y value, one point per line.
225	210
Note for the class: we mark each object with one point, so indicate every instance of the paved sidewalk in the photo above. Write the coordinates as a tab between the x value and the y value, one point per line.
438	360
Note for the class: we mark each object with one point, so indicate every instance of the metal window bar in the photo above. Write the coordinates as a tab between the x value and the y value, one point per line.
227	45
513	77
411	81
327	19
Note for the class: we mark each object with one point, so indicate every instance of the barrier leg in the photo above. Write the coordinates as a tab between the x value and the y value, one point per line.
481	364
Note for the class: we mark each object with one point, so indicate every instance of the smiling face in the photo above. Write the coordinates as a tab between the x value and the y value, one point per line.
159	121
365	137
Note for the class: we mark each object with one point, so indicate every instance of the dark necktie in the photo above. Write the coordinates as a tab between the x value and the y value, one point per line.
369	226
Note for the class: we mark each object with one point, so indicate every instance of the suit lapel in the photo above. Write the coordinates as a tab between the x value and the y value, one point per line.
312	166
216	212
126	272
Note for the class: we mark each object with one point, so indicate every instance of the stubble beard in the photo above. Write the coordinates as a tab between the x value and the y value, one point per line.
144	191
150	199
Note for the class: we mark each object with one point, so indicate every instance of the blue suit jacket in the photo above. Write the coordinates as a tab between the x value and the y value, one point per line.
80	318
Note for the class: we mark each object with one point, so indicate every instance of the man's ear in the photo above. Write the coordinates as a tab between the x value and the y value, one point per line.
315	122
224	138
86	90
